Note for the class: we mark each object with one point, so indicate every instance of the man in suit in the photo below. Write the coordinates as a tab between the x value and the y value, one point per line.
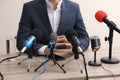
51	16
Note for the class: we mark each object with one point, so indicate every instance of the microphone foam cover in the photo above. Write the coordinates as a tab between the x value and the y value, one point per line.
53	37
100	15
37	33
70	33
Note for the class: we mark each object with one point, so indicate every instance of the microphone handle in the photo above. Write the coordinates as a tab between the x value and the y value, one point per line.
80	49
23	49
111	24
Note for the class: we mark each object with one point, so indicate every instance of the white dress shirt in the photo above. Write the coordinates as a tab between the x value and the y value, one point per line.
54	18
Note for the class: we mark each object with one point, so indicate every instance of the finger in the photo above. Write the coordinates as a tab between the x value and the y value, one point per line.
63	39
61	36
64	45
62	50
61	44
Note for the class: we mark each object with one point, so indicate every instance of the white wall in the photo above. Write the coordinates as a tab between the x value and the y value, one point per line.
111	7
10	12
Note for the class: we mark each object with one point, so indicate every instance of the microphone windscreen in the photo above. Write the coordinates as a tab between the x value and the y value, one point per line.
70	33
100	15
37	33
53	37
95	43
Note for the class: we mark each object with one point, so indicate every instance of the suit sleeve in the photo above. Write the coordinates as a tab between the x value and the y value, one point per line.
25	26
81	30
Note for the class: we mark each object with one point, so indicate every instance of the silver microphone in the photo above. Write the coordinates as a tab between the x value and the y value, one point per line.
95	43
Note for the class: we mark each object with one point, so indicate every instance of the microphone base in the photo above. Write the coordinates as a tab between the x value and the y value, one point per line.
107	60
92	63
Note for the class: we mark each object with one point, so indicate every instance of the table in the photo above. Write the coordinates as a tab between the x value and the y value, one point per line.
12	71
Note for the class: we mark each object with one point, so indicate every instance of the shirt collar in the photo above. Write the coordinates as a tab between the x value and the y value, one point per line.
49	4
59	4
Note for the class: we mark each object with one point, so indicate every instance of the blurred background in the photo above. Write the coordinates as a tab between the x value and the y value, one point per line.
10	13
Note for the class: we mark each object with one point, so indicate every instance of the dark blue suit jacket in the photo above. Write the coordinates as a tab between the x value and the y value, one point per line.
34	15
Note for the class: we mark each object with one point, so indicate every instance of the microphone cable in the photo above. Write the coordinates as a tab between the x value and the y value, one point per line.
1	76
84	61
44	64
113	76
8	58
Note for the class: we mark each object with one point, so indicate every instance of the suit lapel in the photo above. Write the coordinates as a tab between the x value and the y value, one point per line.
44	15
64	11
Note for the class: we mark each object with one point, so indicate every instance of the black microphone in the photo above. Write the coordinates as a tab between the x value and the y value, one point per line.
71	36
101	16
35	34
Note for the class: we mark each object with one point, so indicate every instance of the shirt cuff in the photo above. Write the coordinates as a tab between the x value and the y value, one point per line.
42	49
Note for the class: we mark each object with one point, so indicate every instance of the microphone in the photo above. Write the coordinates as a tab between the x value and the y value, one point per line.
35	34
51	45
51	55
52	40
95	43
101	16
71	36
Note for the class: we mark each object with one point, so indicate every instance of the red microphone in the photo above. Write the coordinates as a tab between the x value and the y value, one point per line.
101	16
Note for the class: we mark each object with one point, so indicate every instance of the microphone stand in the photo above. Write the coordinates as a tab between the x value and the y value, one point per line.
51	57
110	59
29	58
76	57
94	63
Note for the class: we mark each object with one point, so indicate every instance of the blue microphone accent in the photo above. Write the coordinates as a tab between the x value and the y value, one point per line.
29	42
51	45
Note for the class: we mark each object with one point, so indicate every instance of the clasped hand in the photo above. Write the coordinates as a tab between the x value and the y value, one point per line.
62	41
